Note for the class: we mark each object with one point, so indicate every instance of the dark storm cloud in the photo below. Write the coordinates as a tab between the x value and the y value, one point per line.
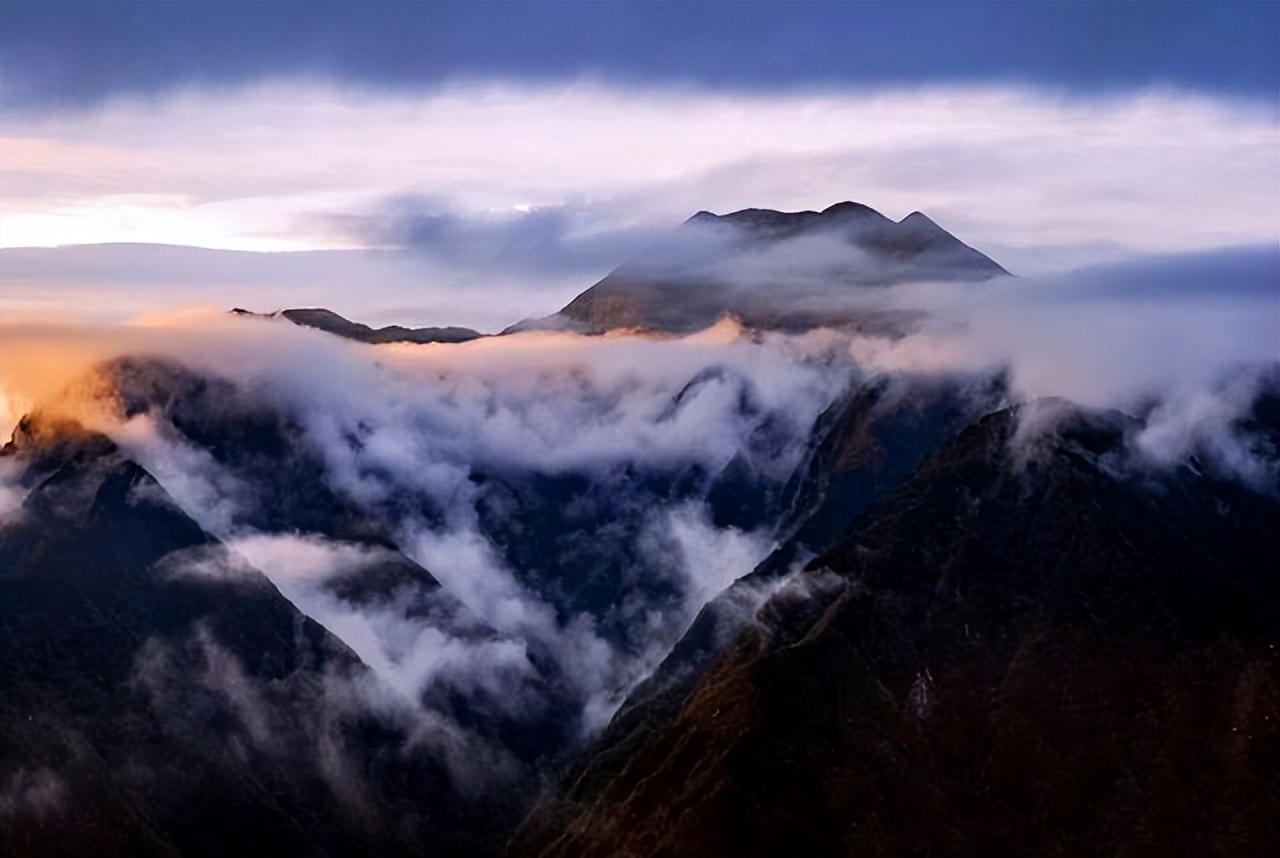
1221	274
541	241
80	53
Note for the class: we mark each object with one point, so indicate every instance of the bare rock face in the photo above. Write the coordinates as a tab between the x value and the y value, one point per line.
776	270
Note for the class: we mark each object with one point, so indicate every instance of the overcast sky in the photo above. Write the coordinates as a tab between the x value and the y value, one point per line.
476	163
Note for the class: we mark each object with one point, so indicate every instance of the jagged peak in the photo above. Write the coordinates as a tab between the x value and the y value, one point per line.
921	222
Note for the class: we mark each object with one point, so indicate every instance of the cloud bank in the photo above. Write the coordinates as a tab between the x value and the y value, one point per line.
488	189
442	451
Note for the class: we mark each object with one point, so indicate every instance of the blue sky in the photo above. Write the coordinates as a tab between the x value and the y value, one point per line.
476	163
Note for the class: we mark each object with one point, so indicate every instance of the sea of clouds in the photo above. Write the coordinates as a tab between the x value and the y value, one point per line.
417	436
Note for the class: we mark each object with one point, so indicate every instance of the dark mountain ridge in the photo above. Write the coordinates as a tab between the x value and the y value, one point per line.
1000	658
158	696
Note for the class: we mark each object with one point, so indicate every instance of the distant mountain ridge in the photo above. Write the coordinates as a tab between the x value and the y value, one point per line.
771	270
330	322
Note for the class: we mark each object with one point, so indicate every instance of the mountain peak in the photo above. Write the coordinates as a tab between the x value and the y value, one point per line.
330	322
919	217
746	263
920	223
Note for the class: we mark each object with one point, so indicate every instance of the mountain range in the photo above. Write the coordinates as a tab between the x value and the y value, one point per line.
705	586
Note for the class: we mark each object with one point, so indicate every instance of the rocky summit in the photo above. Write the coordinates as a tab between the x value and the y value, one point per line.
778	270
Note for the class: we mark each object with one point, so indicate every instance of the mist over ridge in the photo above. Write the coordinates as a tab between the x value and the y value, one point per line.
509	546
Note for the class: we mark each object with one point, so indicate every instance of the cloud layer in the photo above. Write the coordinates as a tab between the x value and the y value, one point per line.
446	453
498	188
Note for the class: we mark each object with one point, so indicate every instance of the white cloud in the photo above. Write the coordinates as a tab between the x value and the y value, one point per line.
425	419
411	435
1008	168
1108	336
